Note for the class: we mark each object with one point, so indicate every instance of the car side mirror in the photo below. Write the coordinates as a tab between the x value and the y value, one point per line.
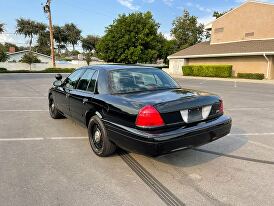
58	77
57	83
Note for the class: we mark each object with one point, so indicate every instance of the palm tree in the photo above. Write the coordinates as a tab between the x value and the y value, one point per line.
1	27
29	28
60	37
73	34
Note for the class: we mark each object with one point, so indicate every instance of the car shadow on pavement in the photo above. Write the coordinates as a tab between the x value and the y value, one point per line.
199	155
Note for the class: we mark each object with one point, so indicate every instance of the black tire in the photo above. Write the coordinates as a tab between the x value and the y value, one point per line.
53	111
98	139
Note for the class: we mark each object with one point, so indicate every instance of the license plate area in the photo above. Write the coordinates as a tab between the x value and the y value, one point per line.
195	115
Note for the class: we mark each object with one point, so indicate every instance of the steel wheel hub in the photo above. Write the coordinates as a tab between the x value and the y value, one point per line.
97	136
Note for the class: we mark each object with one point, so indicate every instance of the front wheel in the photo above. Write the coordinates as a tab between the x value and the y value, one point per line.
53	111
98	139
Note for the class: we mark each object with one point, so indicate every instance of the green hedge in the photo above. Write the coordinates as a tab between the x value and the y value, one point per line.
3	69
223	71
251	76
48	70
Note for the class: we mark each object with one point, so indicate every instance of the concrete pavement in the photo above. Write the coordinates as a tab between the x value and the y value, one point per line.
49	162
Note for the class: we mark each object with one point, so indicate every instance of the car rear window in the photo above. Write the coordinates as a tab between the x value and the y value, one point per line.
139	79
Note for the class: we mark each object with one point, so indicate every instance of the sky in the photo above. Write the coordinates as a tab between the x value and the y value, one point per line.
92	16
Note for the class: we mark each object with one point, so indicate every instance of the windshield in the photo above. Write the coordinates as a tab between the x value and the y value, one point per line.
139	79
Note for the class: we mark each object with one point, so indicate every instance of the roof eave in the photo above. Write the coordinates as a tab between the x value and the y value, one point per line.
221	55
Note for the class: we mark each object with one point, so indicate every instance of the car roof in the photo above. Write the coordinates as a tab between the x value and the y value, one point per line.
109	67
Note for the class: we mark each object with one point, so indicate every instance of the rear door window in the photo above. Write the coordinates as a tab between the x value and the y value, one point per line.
92	83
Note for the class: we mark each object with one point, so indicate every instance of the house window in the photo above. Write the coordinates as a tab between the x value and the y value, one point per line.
249	34
219	30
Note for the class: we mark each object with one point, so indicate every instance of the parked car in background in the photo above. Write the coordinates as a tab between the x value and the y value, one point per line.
139	109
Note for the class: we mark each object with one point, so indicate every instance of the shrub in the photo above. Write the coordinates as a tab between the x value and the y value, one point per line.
251	76
3	56
223	71
30	58
3	69
58	70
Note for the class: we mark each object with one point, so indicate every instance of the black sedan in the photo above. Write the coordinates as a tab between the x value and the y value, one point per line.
136	108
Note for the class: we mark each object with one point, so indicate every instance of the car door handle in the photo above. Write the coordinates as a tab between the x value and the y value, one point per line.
85	100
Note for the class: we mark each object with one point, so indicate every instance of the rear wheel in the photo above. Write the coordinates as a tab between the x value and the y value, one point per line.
98	139
53	111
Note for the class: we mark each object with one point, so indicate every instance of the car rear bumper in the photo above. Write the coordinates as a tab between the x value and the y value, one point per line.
156	144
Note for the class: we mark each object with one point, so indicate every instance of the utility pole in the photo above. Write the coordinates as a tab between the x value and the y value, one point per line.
47	10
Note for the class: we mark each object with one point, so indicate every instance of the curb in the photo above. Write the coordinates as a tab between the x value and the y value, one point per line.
225	79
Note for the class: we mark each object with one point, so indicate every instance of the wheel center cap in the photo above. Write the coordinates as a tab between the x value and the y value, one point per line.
97	136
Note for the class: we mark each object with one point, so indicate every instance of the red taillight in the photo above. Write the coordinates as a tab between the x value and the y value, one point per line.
149	117
221	109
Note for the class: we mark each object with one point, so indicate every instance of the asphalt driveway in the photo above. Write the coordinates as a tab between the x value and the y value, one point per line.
49	162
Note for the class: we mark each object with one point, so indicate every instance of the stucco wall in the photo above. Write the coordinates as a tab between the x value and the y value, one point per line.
175	66
251	17
254	64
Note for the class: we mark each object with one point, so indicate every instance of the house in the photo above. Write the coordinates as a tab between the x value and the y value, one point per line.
243	38
17	56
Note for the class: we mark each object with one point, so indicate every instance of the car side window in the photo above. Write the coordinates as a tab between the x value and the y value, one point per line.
92	83
72	79
85	79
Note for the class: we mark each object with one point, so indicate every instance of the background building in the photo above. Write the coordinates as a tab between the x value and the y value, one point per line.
243	37
17	56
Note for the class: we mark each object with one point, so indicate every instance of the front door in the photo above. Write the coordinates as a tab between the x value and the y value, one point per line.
63	92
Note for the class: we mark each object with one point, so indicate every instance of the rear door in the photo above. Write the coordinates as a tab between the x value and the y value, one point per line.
81	97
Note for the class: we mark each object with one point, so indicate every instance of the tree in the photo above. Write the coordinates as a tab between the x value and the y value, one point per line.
43	43
30	58
218	14
29	28
90	42
1	27
88	57
187	31
60	37
168	47
3	54
130	39
72	33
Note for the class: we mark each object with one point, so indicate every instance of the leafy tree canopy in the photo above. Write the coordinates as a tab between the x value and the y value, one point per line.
130	39
90	42
218	14
29	28
167	48
60	37
43	43
3	53
187	31
73	34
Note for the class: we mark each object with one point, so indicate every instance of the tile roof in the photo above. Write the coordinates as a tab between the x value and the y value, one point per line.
242	48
